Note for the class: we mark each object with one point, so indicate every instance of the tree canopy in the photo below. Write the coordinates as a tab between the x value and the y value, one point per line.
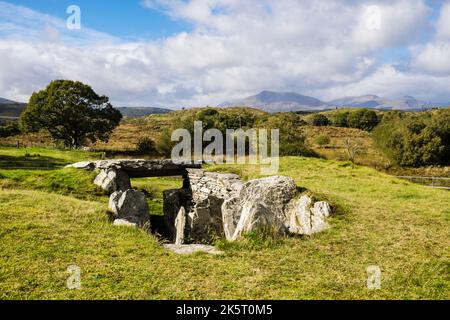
71	112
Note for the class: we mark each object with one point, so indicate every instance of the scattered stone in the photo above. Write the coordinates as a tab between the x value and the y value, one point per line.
131	206
112	180
192	248
124	223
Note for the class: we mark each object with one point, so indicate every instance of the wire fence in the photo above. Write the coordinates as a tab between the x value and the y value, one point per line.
432	182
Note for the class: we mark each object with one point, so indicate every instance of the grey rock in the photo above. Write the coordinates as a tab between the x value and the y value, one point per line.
180	225
307	218
124	223
136	168
192	248
131	206
112	180
261	205
85	165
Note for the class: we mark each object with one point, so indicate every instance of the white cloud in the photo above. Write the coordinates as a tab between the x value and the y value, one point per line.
236	48
434	57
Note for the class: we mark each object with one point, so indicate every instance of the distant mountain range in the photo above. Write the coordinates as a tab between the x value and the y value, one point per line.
10	110
136	112
272	101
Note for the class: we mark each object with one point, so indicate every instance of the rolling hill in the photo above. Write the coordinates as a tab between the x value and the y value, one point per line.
373	101
272	101
10	110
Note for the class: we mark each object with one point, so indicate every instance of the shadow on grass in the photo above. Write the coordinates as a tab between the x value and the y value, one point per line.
31	162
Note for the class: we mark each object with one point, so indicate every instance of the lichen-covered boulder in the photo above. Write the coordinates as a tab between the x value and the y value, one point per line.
112	180
261	205
130	205
306	217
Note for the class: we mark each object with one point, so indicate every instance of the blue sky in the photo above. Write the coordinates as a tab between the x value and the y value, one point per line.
202	52
128	19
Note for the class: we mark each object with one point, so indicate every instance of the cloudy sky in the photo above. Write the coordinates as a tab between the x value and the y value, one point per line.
203	52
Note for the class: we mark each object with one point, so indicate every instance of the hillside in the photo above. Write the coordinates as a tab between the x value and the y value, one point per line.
10	110
55	218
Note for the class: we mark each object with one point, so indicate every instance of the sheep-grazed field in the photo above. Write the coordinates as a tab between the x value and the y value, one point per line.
51	218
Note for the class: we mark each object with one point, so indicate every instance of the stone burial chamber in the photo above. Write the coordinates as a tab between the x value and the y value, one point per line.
210	205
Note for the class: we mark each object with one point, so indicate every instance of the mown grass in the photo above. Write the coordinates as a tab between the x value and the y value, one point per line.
401	227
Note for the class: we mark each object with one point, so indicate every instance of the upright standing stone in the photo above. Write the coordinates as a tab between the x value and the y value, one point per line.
180	225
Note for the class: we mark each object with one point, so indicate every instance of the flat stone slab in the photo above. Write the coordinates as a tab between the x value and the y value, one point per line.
192	248
138	168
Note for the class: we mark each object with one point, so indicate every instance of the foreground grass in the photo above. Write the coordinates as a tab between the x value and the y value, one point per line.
401	227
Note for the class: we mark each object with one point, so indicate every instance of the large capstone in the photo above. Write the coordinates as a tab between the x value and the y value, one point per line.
138	168
131	206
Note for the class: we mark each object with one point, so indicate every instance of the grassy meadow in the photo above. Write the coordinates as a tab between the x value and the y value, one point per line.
51	217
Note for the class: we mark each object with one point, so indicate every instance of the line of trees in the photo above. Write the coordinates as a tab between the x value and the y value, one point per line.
415	139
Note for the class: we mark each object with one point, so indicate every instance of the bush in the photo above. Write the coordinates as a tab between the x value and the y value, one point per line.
415	139
363	119
323	140
320	120
341	119
146	146
9	130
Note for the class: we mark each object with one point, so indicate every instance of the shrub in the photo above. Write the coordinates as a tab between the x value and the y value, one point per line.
323	140
320	120
146	146
363	119
9	130
341	119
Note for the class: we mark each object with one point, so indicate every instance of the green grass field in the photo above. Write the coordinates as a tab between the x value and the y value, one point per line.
51	218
